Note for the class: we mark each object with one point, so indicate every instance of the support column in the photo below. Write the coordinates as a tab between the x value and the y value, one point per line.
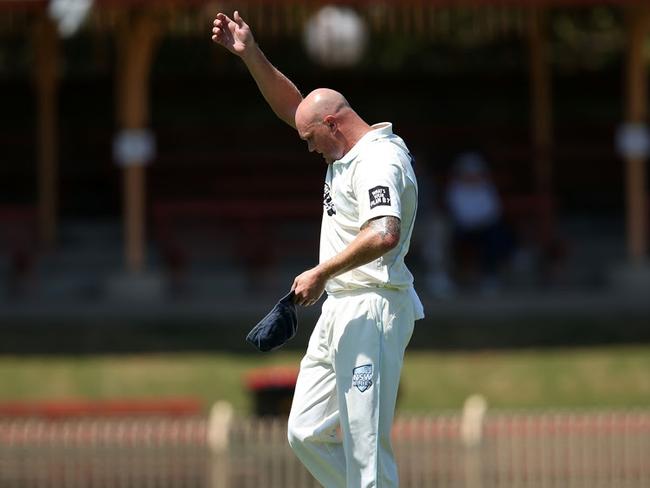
541	101
136	44
633	276
638	24
541	121
47	54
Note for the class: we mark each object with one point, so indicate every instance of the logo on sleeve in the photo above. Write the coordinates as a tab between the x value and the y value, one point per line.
362	377
379	195
328	204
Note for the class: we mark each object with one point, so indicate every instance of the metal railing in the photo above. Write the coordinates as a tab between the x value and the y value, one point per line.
516	449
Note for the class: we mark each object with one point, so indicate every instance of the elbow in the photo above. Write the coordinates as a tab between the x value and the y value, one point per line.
390	241
383	234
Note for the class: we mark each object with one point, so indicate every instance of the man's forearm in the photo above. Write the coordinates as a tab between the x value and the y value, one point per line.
373	241
278	90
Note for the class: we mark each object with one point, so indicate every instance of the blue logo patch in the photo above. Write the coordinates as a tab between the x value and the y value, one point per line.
362	377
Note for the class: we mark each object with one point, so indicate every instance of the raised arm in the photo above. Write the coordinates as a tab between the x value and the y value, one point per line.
278	90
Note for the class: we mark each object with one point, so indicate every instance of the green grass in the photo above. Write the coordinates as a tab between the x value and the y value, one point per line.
571	378
612	377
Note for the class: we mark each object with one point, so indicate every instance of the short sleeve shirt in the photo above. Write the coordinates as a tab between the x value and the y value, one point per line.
374	179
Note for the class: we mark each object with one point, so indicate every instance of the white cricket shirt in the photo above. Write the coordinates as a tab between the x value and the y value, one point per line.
374	179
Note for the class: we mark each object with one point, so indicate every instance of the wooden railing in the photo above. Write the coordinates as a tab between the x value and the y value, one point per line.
590	449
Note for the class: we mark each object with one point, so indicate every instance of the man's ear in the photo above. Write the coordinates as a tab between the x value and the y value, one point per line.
330	121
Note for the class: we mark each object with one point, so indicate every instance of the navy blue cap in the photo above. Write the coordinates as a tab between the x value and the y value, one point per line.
277	327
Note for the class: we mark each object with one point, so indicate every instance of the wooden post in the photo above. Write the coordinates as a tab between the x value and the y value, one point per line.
541	121
541	101
638	24
136	43
47	53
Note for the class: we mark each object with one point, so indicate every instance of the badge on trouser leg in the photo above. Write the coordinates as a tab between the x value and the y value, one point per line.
362	377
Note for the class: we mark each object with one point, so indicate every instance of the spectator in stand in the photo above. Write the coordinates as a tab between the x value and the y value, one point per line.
475	212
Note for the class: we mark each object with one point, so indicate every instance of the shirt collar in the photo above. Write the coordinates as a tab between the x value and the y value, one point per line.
377	131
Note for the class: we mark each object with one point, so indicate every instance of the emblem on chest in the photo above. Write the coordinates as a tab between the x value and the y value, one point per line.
328	204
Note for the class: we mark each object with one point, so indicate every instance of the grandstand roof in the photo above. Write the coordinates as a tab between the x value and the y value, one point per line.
41	4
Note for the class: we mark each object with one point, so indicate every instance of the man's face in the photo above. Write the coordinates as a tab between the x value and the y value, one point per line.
321	138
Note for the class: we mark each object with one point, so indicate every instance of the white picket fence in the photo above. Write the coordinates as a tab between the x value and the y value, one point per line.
509	450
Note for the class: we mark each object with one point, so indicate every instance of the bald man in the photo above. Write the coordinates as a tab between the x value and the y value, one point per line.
350	373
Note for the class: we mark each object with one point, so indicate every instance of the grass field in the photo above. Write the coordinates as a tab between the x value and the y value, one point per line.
571	378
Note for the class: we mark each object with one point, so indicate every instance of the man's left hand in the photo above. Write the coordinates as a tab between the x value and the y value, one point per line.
308	287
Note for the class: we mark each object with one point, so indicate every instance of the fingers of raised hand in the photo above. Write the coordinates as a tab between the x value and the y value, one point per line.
218	27
219	35
222	25
221	19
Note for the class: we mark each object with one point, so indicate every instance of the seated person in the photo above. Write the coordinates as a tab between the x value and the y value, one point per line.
475	213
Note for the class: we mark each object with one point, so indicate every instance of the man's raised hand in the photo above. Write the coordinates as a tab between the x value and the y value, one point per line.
234	35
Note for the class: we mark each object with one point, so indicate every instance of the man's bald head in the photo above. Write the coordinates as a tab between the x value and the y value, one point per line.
326	121
319	104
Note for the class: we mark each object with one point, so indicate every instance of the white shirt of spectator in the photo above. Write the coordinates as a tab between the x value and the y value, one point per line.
473	205
374	179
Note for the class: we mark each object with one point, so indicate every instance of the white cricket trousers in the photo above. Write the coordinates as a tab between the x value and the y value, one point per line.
349	378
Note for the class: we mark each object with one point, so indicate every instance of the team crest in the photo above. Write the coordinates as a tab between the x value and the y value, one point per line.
379	195
362	377
328	204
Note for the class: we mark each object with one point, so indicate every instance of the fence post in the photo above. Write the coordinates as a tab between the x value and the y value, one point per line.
471	433
219	424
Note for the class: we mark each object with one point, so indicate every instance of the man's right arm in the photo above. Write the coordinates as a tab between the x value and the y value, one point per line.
278	90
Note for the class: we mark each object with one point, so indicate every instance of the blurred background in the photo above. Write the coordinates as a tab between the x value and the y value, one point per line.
153	209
